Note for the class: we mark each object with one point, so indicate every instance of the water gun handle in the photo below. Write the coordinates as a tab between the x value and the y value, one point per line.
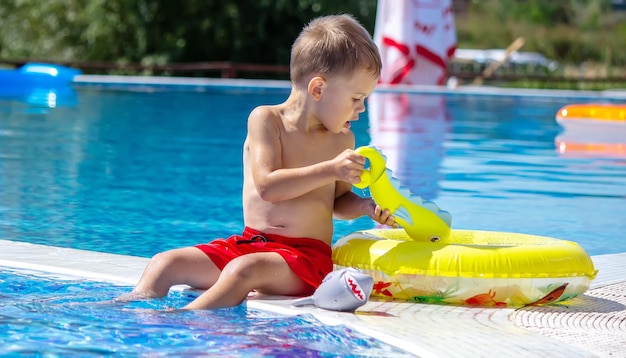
421	220
366	179
376	169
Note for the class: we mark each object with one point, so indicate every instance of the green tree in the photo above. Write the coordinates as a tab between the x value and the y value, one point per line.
163	31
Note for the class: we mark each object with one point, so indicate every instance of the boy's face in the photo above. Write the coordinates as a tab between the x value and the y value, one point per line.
343	99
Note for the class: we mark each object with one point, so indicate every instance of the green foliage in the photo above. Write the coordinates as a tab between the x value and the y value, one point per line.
163	31
534	11
569	31
157	32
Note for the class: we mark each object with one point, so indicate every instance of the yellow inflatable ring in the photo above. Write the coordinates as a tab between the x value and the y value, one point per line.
605	112
482	268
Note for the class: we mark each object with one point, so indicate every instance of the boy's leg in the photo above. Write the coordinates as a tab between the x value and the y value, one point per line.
187	265
265	272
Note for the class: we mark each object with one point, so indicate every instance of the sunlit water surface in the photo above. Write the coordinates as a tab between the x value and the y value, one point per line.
50	316
144	170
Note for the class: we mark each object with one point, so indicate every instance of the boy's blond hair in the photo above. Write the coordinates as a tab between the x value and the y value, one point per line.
333	45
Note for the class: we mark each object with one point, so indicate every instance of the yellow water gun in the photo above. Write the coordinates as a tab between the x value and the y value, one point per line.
422	220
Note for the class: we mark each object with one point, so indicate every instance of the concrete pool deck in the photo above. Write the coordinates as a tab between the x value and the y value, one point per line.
591	325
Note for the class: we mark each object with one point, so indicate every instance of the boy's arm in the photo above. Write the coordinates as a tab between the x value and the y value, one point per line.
349	205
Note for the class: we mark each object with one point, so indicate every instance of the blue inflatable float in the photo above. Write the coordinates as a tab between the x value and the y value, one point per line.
39	84
38	75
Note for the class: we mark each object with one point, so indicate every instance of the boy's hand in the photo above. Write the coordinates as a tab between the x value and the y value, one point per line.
384	217
349	166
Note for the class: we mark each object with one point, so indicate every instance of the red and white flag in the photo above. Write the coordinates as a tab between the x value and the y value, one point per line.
416	38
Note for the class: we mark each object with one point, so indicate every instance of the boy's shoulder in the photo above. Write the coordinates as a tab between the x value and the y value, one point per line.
265	112
265	117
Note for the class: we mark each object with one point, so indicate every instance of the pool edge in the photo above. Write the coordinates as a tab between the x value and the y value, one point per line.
207	83
425	330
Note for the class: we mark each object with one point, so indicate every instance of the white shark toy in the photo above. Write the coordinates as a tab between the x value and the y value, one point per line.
342	290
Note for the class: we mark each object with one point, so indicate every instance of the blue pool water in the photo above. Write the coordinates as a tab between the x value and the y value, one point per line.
143	169
146	169
49	316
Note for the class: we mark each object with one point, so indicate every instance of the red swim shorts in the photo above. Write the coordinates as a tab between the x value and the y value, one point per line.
310	259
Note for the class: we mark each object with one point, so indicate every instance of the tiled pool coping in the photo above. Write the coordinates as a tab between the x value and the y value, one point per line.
425	330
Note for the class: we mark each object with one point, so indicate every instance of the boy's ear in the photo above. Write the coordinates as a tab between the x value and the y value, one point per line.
317	85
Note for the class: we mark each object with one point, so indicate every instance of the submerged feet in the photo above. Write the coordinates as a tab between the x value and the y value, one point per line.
134	296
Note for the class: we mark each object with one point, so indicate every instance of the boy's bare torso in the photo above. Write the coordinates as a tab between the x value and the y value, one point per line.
311	214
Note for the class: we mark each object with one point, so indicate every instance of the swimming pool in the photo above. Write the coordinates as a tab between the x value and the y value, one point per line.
139	169
44	315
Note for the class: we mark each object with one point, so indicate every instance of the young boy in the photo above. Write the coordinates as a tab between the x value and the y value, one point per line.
299	167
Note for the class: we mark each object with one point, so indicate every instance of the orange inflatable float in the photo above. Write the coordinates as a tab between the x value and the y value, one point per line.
592	111
597	130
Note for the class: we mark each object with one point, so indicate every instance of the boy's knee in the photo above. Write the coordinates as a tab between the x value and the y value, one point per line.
159	257
162	260
244	268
